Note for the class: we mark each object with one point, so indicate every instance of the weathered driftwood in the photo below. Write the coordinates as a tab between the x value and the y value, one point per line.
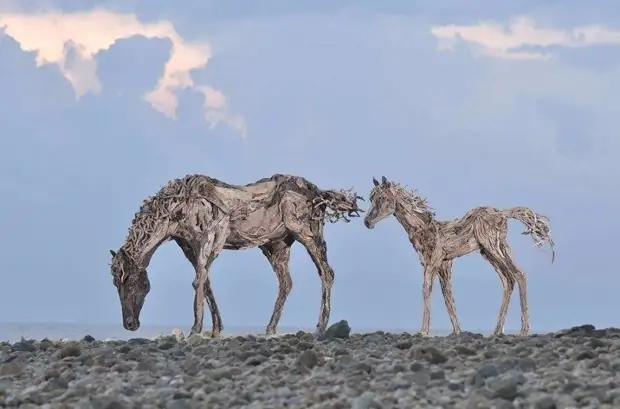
438	243
204	216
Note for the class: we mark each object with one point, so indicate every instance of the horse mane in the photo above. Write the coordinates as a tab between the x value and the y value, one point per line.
162	204
159	207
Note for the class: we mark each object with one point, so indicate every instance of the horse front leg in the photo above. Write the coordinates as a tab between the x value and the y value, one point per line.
204	292
310	234
317	249
201	281
279	253
209	248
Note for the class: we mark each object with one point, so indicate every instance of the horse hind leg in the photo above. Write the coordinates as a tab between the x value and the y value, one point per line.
494	255
279	253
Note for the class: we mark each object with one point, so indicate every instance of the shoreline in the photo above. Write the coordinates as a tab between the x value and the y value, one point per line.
13	332
376	370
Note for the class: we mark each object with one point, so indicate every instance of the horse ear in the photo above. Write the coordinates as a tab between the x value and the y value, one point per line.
384	180
375	182
113	253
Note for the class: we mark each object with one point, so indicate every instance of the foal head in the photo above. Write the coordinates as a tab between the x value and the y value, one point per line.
385	196
382	202
132	284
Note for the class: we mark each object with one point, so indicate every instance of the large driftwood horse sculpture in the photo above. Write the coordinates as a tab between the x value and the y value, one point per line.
438	243
204	216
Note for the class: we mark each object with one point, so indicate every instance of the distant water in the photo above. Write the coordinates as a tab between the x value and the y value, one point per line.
15	331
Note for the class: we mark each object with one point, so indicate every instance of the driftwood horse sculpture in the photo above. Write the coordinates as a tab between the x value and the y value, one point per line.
204	215
438	243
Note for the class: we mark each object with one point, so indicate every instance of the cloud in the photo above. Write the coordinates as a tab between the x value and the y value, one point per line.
494	40
215	107
72	41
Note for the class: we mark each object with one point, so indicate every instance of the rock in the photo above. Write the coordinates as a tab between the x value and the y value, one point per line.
71	350
366	401
465	351
339	330
107	402
166	345
429	354
527	364
255	360
585	354
195	339
404	344
24	346
308	359
88	339
11	369
221	373
502	404
45	344
545	402
178	335
504	388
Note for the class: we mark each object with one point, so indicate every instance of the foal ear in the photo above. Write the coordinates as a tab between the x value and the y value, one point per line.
113	253
375	181
384	180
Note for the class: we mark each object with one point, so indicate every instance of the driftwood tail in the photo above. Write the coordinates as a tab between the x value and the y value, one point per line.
537	226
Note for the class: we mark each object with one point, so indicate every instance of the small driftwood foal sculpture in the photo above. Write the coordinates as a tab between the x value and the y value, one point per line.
204	215
438	243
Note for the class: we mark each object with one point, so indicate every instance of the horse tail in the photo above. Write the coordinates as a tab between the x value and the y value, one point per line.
537	226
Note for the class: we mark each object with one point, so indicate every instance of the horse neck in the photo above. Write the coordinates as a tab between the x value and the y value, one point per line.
141	243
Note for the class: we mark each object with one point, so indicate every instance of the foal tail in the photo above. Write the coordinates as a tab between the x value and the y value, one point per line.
537	226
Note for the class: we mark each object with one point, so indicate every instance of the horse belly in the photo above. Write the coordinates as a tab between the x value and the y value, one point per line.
460	246
260	227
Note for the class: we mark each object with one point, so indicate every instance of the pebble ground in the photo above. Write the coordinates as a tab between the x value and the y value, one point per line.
578	367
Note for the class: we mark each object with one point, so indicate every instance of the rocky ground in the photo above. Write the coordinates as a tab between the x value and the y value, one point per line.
573	368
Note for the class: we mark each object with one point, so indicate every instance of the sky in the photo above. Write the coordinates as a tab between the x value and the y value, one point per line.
473	104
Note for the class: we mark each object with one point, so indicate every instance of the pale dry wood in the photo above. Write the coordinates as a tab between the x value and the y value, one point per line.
438	243
204	216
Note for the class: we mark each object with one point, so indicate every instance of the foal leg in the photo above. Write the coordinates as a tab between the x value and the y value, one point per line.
521	283
431	268
445	281
494	256
427	292
279	253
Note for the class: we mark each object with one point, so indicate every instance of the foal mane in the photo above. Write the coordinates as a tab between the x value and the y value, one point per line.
410	197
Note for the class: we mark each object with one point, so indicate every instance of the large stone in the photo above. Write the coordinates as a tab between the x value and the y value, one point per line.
341	330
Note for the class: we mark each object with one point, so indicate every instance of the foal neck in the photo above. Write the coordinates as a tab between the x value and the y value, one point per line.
412	220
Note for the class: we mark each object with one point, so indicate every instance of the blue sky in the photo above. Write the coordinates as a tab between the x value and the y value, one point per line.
490	104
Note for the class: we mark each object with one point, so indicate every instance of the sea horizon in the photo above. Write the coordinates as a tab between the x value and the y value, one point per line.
14	331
